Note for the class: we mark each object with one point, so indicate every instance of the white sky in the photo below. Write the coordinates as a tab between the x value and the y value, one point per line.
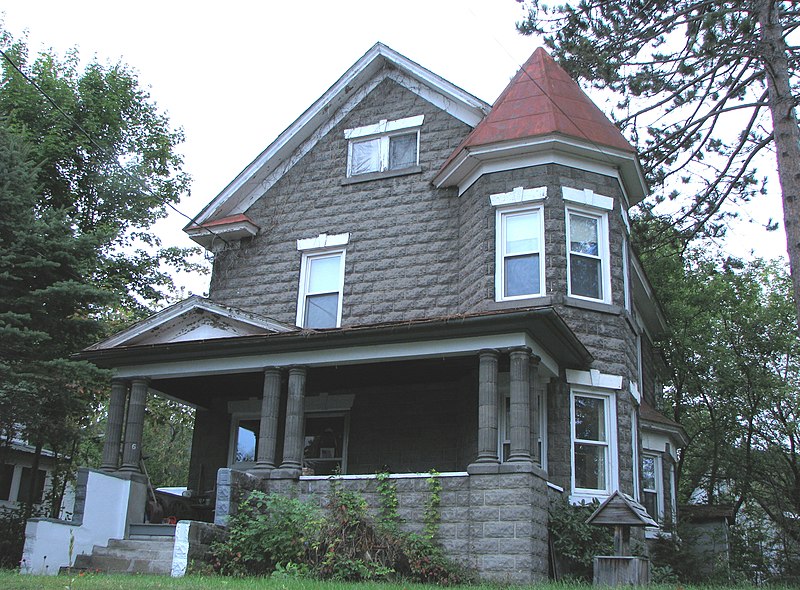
236	74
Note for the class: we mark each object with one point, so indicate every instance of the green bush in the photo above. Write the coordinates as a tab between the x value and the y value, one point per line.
273	534
12	537
574	542
268	531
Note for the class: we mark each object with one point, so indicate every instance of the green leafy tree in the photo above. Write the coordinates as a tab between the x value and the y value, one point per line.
702	90
88	163
733	350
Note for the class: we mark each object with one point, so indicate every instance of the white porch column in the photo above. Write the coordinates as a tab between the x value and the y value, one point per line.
114	423
132	451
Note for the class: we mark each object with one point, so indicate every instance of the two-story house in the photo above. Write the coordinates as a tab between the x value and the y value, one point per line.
410	279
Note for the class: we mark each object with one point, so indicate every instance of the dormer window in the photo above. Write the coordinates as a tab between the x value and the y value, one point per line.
383	147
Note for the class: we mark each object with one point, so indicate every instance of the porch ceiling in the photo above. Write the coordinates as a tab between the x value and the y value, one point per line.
201	390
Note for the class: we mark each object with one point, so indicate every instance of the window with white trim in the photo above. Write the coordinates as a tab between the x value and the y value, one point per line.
588	271
384	146
593	437
319	303
653	486
519	253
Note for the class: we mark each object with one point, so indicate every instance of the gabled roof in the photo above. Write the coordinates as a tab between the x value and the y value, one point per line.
378	63
621	509
193	319
542	109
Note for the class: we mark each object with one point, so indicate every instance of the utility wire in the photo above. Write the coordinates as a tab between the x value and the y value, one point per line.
142	185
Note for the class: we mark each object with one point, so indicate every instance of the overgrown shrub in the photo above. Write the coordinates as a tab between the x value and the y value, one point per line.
574	542
286	537
12	537
268	531
350	546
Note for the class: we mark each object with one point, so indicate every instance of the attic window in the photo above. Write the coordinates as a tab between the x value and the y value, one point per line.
383	147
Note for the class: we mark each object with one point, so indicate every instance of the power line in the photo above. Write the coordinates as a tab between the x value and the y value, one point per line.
142	185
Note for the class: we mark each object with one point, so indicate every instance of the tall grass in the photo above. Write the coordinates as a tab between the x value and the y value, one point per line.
13	581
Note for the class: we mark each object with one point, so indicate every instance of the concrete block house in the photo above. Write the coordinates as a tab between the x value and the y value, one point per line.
411	279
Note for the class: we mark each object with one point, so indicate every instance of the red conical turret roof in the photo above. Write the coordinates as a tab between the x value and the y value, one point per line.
543	99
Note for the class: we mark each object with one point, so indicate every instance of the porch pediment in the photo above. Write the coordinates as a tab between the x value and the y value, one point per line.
192	320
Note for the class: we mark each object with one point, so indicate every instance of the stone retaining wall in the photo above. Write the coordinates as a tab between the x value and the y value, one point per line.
494	522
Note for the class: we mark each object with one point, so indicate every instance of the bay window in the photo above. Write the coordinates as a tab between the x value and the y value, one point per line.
519	247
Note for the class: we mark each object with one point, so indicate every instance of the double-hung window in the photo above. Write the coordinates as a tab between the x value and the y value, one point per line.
321	283
653	486
593	444
588	255
319	298
519	243
519	246
588	260
383	147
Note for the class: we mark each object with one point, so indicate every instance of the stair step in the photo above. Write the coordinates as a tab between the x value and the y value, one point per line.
133	556
137	531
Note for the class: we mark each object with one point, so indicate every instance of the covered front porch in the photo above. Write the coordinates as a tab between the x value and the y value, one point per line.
287	410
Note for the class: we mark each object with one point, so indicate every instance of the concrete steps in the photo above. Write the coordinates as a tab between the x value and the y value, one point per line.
151	555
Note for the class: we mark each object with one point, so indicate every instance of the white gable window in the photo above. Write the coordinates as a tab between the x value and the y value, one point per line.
594	453
385	146
588	262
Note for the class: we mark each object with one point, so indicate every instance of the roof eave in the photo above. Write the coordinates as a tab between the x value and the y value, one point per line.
473	161
543	324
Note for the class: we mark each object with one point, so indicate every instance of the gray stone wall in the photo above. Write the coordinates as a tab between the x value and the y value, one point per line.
495	523
401	262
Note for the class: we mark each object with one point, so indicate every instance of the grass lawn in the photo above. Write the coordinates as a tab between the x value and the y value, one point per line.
13	581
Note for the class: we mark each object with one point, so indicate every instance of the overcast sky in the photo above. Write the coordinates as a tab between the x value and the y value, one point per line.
236	74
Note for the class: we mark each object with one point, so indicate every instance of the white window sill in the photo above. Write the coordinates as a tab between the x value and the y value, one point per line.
587	497
379	175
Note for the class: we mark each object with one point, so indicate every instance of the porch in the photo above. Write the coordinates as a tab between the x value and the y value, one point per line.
285	411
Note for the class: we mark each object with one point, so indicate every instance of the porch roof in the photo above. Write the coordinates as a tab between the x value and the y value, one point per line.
541	328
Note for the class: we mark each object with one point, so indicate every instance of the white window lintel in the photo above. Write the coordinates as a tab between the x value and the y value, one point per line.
323	241
384	126
519	195
594	378
587	197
